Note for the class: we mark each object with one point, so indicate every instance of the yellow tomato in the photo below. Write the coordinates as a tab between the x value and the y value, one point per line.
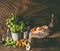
38	28
24	43
17	44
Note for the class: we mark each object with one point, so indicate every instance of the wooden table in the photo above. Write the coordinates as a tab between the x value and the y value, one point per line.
40	48
3	48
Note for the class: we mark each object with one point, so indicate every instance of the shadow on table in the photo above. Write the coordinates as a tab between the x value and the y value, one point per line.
49	43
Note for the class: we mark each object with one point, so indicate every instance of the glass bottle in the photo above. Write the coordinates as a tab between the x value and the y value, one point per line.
26	33
7	34
51	24
3	39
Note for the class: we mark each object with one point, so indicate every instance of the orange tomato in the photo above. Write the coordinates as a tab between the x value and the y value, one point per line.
23	45
34	29
41	28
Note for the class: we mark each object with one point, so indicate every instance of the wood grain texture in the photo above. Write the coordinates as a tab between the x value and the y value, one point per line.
36	13
20	7
7	7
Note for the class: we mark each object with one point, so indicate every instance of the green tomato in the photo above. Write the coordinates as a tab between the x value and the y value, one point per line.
11	23
6	44
12	18
11	39
12	42
7	41
14	46
9	26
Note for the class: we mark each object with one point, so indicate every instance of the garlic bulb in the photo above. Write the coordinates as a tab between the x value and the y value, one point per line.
28	47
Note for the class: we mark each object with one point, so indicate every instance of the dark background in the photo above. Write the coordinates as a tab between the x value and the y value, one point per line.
34	12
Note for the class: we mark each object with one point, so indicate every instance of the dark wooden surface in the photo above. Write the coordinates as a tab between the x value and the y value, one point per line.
33	49
51	43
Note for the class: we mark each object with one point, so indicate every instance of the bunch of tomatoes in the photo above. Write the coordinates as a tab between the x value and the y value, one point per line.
19	43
